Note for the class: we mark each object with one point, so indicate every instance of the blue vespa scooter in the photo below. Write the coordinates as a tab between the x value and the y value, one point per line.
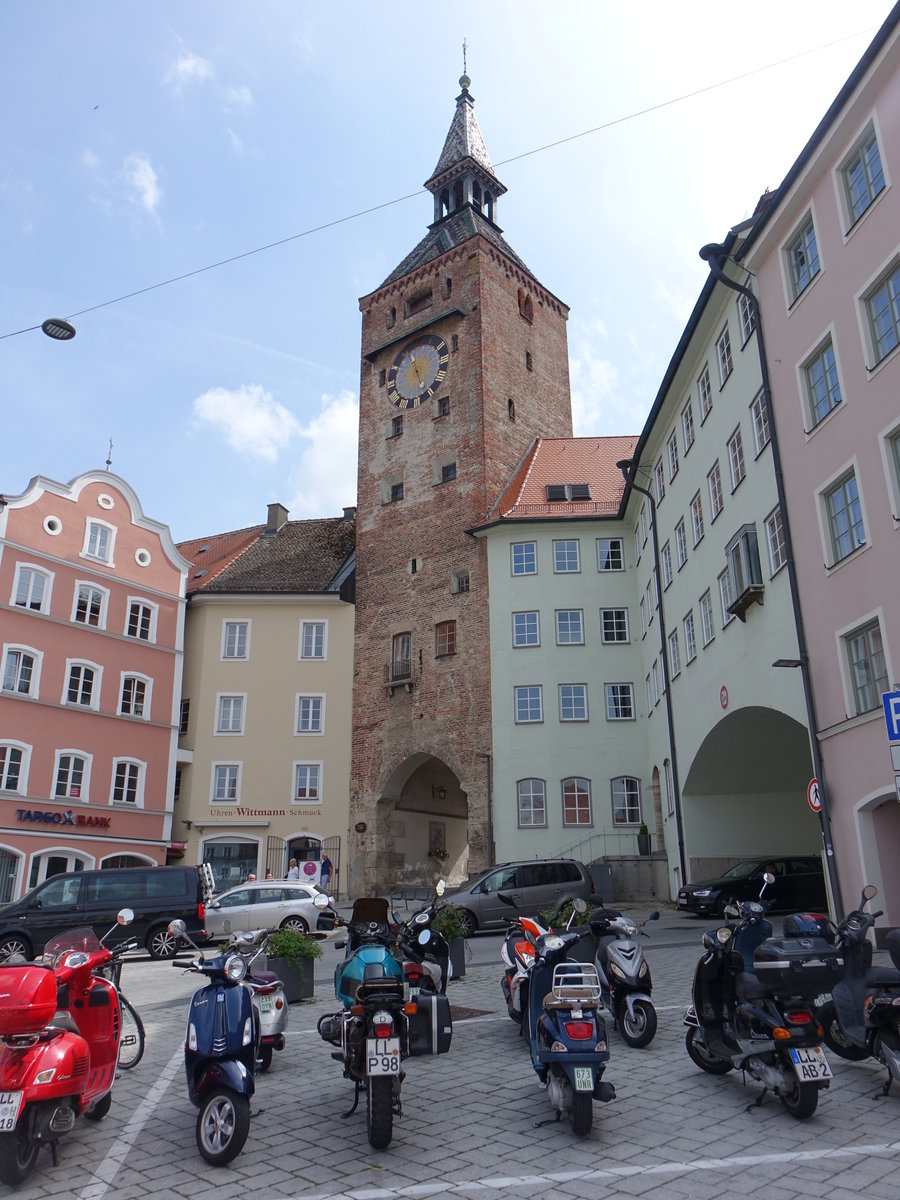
220	1052
566	1033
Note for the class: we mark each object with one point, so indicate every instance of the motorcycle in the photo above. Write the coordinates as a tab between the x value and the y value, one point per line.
625	983
220	1052
379	1025
59	1045
426	952
266	992
862	1018
566	1033
518	954
752	1007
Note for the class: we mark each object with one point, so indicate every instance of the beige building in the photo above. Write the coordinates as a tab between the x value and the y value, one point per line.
263	770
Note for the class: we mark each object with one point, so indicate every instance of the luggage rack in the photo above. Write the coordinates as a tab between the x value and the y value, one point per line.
575	983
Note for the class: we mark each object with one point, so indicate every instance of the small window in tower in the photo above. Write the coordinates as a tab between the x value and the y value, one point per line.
416	303
392	318
460	581
529	365
444	639
457	195
476	195
526	306
396	492
511	409
448	472
454	342
382	376
448	286
442	407
396	427
413	566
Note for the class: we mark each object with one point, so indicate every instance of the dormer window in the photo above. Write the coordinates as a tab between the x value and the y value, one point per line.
568	491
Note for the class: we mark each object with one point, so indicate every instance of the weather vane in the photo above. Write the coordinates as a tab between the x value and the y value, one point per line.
109	456
465	71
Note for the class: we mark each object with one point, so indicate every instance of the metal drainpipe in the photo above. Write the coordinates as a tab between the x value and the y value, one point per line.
628	466
715	255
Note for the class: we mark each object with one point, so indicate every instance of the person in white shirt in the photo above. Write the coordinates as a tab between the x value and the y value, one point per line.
293	870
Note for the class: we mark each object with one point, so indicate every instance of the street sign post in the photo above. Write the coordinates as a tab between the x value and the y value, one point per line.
814	796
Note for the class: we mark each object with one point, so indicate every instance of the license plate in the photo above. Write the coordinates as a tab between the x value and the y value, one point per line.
10	1103
810	1064
266	1003
383	1056
584	1079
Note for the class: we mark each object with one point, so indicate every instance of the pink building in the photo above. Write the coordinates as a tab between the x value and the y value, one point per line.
826	254
91	632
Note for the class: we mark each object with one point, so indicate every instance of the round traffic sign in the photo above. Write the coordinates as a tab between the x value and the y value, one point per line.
814	796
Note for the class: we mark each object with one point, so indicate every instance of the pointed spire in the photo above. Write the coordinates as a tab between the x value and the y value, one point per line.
464	173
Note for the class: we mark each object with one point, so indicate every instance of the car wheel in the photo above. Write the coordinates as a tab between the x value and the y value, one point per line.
161	944
469	924
14	945
295	924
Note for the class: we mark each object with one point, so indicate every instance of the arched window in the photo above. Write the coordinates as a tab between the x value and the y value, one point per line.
576	798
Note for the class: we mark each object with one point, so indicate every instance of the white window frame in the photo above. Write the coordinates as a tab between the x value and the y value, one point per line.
584	696
307	764
556	616
24	749
737	462
824	494
529	688
889	441
775	542
91	524
236	622
580	792
88	761
726	595
565	569
889	274
614	701
532	806
674	655
141	768
313	623
795	254
672	453
513	546
19	648
659	474
526	630
629	794
811	418
33	569
843	638
615	641
690	636
220	697
103	594
745	317
215	768
132	602
610	555
851	216
759	419
665	556
716	499
704	391
687	425
697	519
147	681
707	623
681	546
724	357
96	685
298	704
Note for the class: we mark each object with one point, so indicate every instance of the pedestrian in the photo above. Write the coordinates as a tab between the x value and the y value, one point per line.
325	873
293	870
269	876
251	878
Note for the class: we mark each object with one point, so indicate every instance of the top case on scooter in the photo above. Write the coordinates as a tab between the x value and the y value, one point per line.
798	966
27	998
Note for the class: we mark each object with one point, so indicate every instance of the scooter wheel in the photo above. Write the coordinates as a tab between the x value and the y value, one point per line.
801	1101
380	1111
100	1109
640	1029
581	1114
835	1038
265	1057
18	1154
222	1126
701	1057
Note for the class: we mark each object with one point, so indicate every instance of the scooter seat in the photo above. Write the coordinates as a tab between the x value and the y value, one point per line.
574	997
748	987
264	977
883	977
62	1019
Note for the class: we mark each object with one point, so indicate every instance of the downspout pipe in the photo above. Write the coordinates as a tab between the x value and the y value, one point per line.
628	466
715	255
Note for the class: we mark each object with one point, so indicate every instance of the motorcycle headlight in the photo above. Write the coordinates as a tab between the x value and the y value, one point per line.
45	1076
617	971
553	942
235	968
645	970
723	935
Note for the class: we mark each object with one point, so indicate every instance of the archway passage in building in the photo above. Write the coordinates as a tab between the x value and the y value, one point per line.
423	817
744	794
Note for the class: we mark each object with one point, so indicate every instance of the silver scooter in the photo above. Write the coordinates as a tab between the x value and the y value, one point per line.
625	983
266	991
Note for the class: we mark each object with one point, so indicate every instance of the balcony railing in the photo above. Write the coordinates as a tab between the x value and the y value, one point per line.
398	673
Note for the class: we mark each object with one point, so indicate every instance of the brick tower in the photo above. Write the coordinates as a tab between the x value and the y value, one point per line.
464	363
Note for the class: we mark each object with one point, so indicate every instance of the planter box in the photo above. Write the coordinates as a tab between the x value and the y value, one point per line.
298	981
643	841
458	957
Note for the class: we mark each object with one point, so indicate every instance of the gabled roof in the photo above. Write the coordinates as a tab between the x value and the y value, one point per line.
302	557
549	461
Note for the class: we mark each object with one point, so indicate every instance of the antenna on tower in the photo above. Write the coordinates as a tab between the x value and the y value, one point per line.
465	72
109	456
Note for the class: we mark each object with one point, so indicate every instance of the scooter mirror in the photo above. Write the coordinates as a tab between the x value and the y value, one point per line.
869	892
732	910
320	900
769	877
424	937
124	916
579	905
440	887
654	916
177	928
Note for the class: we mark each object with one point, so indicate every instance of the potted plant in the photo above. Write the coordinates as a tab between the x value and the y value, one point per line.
643	840
291	955
449	922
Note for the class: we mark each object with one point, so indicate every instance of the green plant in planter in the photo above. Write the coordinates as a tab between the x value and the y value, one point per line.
292	946
449	922
643	829
560	920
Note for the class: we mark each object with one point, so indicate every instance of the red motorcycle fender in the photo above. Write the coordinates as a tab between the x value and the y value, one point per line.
67	1054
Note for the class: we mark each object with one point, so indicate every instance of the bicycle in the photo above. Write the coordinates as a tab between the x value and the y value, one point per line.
132	1038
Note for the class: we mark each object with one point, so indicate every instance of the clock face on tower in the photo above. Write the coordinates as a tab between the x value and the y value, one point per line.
417	371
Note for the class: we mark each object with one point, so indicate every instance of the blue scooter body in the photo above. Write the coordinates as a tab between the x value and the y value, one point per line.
221	1043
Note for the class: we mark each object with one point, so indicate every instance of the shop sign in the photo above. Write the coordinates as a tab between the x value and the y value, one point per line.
58	817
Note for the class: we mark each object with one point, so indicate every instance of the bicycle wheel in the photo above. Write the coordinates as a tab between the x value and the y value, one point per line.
131	1041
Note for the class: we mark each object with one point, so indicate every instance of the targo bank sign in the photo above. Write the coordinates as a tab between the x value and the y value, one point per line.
58	816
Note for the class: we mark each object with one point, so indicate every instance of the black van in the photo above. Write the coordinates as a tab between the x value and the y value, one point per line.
155	894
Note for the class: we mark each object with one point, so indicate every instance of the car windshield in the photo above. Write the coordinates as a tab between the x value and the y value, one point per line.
73	939
740	871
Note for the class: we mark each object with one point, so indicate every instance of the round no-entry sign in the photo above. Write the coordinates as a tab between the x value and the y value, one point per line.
814	796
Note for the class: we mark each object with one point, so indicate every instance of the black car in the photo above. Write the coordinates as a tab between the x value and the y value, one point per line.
799	886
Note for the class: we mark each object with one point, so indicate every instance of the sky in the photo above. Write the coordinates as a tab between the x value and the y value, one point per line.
147	142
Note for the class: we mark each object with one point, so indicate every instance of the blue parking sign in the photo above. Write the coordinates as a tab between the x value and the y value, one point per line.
891	702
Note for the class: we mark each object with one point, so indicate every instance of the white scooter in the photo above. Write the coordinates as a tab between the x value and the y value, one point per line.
266	991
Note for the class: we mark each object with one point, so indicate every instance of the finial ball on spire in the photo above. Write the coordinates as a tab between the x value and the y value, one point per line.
464	82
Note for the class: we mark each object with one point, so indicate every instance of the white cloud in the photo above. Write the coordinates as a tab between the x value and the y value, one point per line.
90	160
142	181
593	381
237	97
188	69
251	421
324	479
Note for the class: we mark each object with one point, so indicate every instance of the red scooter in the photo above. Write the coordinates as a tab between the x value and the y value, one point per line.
59	1044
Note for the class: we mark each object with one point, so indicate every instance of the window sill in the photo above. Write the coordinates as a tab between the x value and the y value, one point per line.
830	568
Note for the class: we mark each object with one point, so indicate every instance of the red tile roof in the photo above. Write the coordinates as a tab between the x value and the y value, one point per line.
589	460
210	555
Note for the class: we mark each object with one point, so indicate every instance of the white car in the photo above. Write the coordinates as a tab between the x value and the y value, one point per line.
276	904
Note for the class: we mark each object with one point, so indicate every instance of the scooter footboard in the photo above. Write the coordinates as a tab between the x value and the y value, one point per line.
228	1073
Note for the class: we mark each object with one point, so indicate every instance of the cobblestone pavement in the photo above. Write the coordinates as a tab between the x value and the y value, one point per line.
468	1125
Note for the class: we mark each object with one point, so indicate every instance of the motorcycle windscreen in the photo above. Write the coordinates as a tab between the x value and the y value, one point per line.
370	908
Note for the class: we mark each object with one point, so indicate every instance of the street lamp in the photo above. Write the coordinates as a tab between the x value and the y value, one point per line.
59	329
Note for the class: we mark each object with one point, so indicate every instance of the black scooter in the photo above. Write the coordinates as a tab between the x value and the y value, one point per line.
862	1018
220	1052
752	1007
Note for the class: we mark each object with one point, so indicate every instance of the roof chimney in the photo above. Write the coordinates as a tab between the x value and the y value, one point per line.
350	512
278	514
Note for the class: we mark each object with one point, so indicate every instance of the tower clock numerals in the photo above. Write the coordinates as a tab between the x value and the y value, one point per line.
417	371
